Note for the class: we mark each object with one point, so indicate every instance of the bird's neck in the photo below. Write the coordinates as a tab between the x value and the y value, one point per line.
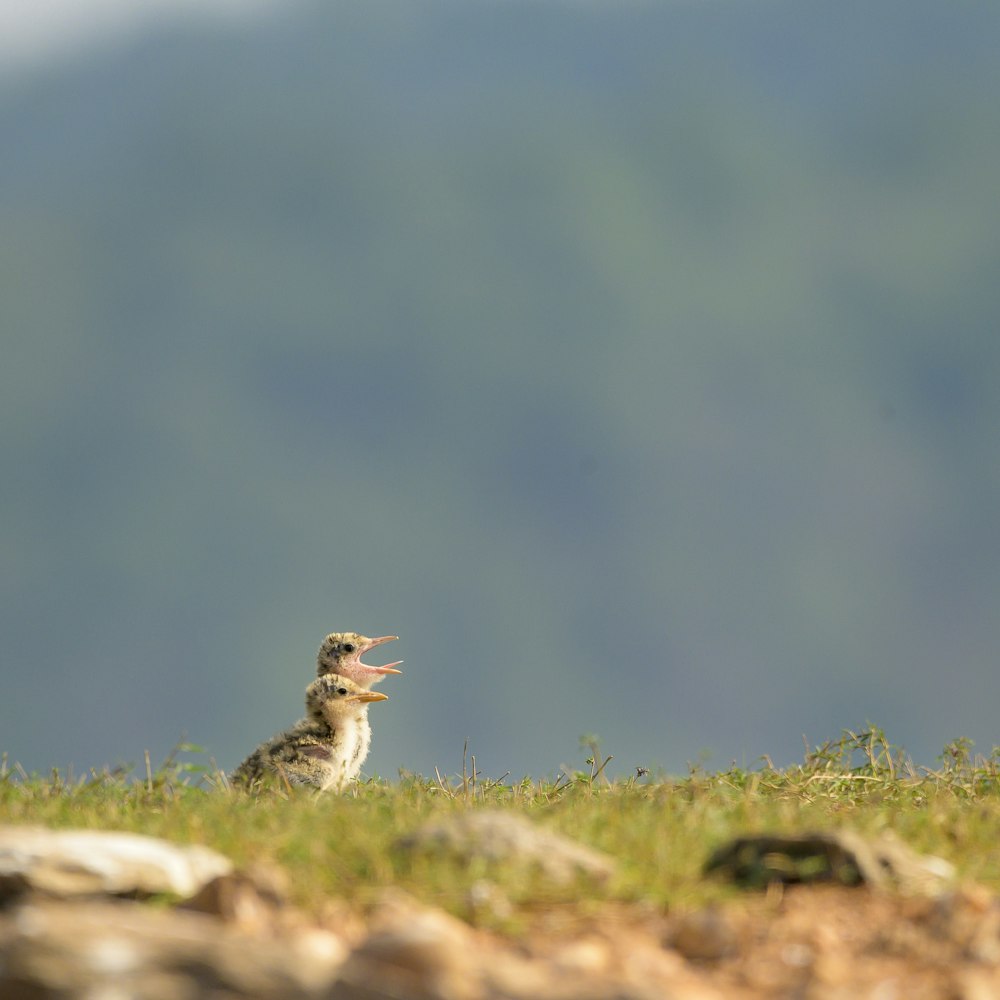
363	678
346	723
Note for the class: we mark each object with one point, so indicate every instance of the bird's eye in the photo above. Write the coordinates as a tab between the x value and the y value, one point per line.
349	647
341	690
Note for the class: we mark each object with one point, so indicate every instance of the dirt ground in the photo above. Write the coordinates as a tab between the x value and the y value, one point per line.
813	942
900	928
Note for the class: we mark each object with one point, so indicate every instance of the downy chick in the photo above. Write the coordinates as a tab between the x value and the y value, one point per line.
325	749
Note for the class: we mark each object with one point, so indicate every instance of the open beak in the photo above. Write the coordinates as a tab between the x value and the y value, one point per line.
366	696
389	668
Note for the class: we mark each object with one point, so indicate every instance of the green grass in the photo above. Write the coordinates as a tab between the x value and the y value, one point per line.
660	829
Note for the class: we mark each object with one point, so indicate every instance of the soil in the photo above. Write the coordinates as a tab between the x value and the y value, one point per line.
810	941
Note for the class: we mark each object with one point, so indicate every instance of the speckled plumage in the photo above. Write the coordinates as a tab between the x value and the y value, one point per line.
341	652
325	749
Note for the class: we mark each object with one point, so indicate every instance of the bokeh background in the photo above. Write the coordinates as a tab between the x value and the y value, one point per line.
637	363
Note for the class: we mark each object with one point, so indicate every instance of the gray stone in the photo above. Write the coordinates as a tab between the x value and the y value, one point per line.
842	856
498	836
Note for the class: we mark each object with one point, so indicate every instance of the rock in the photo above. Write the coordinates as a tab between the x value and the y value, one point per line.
416	952
124	949
253	899
498	836
487	902
413	952
704	936
74	863
839	856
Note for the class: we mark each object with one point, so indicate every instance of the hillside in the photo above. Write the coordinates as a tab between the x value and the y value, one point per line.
636	367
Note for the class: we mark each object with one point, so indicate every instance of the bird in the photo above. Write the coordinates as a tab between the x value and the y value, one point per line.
325	749
340	653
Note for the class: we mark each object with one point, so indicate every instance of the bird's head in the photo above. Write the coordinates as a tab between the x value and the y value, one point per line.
346	692
333	697
341	654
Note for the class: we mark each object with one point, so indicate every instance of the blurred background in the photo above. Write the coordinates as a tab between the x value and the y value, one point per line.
637	363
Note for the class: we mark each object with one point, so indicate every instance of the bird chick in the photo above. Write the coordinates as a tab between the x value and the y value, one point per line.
325	749
341	654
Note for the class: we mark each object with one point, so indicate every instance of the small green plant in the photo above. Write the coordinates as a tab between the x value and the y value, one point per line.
591	745
957	755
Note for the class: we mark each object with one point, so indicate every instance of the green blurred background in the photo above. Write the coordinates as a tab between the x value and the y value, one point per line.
637	363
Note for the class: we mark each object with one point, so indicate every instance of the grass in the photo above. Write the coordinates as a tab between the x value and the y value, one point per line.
660	829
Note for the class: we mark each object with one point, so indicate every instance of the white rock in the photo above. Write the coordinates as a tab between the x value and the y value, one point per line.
69	863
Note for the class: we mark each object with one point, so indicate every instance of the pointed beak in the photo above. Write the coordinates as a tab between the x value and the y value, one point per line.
372	643
366	696
389	668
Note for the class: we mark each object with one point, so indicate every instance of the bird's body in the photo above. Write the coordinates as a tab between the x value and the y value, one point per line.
341	652
325	749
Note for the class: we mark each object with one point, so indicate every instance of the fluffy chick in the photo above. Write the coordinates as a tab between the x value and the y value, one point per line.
325	749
